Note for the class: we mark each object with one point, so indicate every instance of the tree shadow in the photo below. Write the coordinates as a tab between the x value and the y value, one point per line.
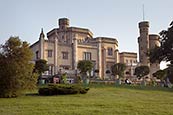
146	88
32	94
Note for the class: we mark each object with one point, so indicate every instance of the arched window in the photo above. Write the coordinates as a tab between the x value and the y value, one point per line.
110	51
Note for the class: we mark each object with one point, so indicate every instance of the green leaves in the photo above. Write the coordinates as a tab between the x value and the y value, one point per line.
141	71
85	66
160	74
165	51
118	69
15	69
41	66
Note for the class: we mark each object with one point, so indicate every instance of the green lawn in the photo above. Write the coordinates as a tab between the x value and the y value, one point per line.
100	100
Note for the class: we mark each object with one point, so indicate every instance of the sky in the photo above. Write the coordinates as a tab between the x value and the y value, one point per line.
105	18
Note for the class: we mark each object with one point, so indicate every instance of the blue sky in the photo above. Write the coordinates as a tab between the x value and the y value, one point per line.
108	18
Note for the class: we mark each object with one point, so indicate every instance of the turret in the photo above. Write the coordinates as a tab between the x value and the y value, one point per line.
143	41
41	44
41	35
63	23
154	42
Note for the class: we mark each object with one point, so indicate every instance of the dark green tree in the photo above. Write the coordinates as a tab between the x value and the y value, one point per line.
16	68
118	69
165	51
160	74
41	66
85	66
141	71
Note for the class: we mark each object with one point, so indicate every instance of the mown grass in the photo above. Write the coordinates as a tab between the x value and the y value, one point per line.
100	100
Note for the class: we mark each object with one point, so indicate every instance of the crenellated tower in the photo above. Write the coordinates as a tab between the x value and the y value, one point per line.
143	41
147	42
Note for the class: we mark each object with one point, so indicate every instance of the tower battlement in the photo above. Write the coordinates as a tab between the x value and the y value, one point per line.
143	24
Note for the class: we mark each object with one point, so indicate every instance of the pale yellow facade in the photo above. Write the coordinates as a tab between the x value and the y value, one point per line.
65	46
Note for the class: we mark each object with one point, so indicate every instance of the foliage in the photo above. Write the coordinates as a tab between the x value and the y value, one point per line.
41	66
62	89
15	69
160	74
170	72
64	78
85	66
165	51
141	71
118	69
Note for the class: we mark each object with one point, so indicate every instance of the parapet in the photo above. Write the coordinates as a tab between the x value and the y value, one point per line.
143	24
64	22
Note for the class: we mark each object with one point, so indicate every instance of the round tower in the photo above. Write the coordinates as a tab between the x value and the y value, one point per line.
63	23
154	42
143	42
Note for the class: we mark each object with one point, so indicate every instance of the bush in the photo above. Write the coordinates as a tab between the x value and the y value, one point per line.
62	89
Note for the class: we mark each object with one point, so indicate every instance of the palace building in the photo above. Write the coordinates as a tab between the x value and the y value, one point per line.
65	46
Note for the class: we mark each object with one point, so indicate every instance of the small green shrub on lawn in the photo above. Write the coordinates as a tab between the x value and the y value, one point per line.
62	89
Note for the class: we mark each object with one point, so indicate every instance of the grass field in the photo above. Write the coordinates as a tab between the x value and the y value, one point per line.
100	100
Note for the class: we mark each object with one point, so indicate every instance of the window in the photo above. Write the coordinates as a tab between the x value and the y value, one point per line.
36	54
110	51
87	55
64	55
49	52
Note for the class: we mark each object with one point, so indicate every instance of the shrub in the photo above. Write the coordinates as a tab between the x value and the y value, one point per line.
62	89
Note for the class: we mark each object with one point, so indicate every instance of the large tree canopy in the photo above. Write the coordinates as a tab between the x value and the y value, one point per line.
165	51
16	69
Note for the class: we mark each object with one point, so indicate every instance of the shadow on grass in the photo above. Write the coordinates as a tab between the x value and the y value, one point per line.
147	88
32	94
133	87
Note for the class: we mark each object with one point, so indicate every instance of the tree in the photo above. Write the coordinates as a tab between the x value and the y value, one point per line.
118	69
141	71
16	69
165	51
85	66
41	66
160	74
170	72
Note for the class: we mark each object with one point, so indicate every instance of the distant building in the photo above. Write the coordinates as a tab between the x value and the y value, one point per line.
147	42
130	60
65	46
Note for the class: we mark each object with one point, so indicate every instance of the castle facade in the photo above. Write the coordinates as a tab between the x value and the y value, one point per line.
65	46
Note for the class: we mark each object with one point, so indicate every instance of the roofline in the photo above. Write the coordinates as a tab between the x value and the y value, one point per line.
34	44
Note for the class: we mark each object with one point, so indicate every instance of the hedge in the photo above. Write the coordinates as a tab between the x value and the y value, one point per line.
62	89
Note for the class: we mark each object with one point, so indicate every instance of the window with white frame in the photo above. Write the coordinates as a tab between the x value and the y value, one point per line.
87	55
